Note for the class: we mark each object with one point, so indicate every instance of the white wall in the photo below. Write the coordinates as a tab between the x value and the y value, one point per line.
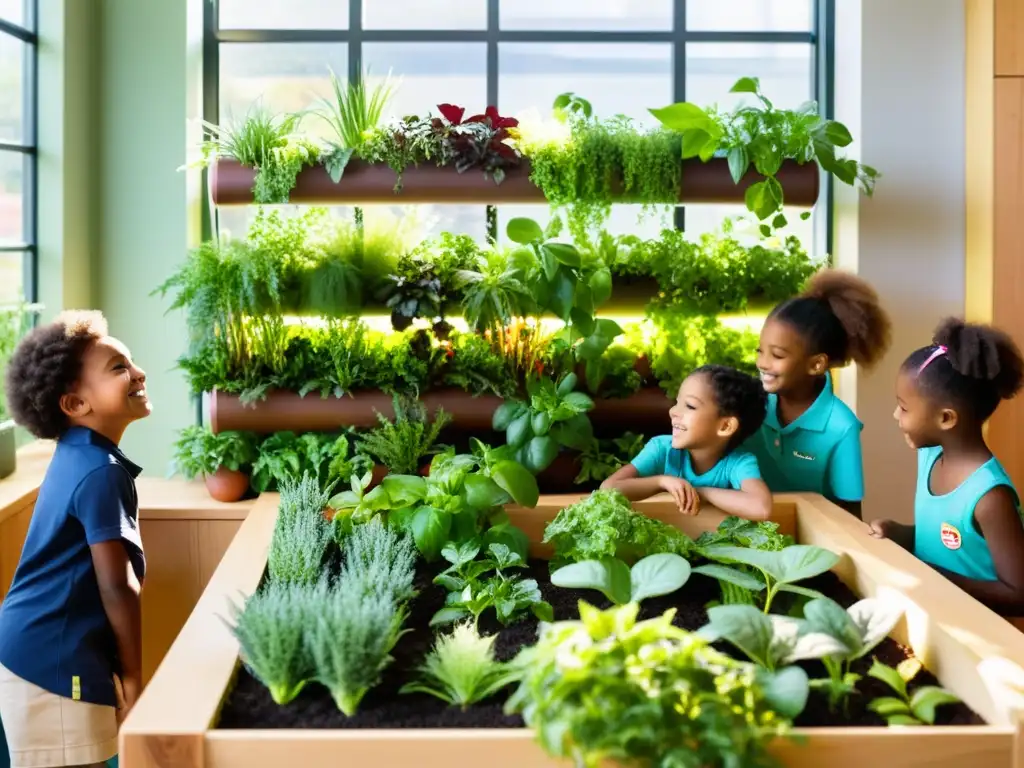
900	89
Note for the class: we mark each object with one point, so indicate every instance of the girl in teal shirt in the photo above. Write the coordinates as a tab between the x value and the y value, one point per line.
967	521
716	409
810	439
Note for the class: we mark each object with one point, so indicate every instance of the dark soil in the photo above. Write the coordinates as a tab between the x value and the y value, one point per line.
249	704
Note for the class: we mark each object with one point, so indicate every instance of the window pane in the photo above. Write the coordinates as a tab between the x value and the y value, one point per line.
785	70
276	14
617	78
12	67
749	15
425	14
13	11
12	202
12	274
430	74
423	221
284	77
613	15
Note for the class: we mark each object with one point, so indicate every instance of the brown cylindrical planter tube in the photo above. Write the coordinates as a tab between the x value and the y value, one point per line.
644	412
710	182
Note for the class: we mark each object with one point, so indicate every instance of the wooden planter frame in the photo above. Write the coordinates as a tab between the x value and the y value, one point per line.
968	647
286	410
370	183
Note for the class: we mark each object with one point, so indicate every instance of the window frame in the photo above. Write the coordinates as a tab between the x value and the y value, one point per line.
28	149
821	37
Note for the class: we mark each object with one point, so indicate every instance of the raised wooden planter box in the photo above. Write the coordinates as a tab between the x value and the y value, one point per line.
971	650
282	410
365	183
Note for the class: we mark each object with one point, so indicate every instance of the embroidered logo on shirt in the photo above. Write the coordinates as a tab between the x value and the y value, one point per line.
804	456
950	536
76	687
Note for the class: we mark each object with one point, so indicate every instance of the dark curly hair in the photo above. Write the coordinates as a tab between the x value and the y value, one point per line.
980	366
838	314
45	366
737	394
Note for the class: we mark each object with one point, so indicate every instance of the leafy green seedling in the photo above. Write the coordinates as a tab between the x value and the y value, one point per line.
917	708
859	629
357	505
461	668
779	570
654	575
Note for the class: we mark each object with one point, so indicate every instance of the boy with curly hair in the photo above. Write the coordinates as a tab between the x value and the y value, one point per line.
70	626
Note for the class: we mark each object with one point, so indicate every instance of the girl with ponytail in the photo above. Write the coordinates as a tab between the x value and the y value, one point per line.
967	521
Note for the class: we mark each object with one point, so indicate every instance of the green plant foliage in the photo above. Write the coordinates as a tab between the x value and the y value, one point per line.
402	445
738	532
350	640
379	559
288	456
683	342
302	534
650	576
610	688
354	112
461	668
271	629
917	708
605	525
602	458
198	451
764	137
15	321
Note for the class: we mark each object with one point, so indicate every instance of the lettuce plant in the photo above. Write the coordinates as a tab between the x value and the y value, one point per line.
607	688
776	571
302	534
461	668
605	524
271	629
470	594
651	576
905	708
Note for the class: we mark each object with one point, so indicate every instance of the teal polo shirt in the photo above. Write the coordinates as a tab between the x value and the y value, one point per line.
658	457
818	452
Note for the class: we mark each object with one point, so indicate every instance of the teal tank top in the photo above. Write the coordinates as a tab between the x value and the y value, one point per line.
945	531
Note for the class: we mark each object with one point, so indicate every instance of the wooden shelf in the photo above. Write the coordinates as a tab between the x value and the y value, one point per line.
365	183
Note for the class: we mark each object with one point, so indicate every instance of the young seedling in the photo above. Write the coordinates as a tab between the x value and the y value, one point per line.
461	668
917	708
654	575
778	570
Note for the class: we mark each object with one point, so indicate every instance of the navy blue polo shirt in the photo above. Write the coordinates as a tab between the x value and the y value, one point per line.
54	631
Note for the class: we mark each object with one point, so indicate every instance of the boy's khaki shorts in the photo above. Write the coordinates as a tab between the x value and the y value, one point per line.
45	730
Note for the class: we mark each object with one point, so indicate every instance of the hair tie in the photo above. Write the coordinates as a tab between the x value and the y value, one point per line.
939	350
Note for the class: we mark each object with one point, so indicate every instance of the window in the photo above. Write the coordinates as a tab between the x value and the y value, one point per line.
623	55
17	151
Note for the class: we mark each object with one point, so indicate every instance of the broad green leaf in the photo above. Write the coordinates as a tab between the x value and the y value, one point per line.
430	528
924	700
609	328
799	562
887	706
779	221
505	414
738	163
758	201
540	422
511	536
682	117
543	611
693	143
731	575
576	433
658	574
343	500
548	263
524	231
403	490
826	615
583	324
377	499
483	493
564	253
579	401
562	293
517	481
903	720
601	286
874	619
746	85
519	431
796	589
786	690
540	452
747	628
889	676
448	614
815	645
838	134
609	576
566	385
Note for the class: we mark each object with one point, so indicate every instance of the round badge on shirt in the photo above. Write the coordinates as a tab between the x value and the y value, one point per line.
950	536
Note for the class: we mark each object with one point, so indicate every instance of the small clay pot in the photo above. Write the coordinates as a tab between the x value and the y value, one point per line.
227	484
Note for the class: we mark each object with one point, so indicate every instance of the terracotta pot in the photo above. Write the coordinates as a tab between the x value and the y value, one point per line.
365	183
227	484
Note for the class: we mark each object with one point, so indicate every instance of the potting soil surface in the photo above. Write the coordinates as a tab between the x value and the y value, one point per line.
249	704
